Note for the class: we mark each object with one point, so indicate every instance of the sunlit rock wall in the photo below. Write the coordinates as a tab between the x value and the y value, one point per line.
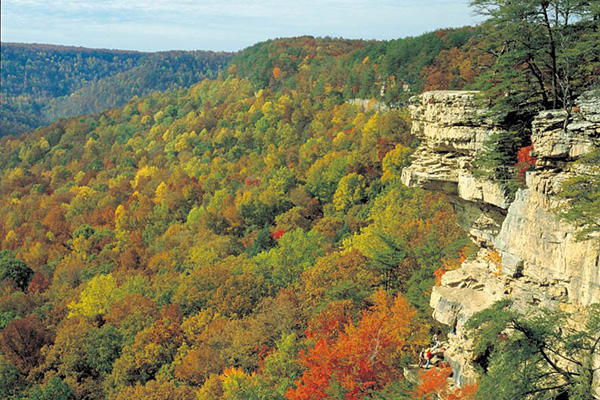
541	262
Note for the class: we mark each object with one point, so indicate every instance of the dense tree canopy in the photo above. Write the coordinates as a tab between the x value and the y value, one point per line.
213	241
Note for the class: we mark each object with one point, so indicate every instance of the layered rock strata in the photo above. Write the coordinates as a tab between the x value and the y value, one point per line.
526	252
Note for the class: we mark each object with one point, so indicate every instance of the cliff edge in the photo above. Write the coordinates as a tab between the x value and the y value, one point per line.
526	253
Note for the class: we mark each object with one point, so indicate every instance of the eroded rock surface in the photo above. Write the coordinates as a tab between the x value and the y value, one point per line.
452	128
541	262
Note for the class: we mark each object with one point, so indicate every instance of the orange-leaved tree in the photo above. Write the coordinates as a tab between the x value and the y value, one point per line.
364	357
434	384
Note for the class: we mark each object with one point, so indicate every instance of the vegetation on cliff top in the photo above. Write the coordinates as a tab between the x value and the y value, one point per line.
544	54
582	195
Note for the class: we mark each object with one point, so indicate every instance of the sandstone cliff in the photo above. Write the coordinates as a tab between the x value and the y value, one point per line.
541	262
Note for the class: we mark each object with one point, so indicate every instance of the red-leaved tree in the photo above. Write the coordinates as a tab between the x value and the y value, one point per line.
362	358
525	162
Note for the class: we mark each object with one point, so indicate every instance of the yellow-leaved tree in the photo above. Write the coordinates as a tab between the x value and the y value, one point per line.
350	191
100	293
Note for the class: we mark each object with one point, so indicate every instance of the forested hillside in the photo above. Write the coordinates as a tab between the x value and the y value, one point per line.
41	83
223	241
241	237
389	71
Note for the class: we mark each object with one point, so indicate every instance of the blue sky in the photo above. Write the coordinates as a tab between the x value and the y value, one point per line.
153	25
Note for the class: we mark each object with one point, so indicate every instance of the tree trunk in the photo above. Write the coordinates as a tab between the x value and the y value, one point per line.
552	53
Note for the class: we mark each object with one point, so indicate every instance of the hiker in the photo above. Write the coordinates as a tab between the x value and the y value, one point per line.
429	357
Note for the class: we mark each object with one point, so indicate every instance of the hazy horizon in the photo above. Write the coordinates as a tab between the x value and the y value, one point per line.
212	25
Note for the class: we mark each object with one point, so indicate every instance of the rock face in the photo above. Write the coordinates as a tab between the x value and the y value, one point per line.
452	129
526	252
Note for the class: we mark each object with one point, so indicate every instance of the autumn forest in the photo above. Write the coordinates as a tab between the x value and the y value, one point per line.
239	233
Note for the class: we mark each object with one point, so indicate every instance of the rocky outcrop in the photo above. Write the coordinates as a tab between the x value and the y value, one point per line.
540	262
453	129
369	105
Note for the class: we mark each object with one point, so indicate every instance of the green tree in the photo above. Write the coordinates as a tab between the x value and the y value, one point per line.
547	51
102	348
394	162
281	368
540	354
12	382
55	389
297	252
499	155
14	269
324	175
582	193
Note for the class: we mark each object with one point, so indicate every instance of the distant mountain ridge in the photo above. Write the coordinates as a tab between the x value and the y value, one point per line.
60	47
41	83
